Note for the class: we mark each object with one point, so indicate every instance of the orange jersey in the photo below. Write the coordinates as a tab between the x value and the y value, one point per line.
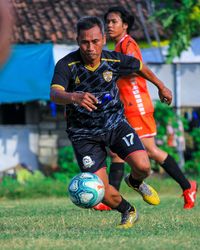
144	125
133	90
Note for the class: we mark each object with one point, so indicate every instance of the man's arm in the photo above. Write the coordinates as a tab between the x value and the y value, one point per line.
59	93
83	99
164	93
60	96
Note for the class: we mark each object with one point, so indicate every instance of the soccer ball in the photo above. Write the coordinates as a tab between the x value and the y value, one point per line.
86	190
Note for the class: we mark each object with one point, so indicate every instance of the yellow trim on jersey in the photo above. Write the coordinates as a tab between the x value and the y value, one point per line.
92	68
57	86
141	64
110	60
72	63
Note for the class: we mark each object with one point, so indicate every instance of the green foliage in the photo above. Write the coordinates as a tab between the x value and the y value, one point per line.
165	115
33	187
67	163
196	136
110	45
24	175
181	20
193	166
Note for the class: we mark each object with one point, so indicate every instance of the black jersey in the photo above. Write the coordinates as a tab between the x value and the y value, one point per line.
71	73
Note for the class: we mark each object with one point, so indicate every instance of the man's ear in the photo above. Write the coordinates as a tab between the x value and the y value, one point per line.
125	26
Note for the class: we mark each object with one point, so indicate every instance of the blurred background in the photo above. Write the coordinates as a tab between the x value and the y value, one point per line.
33	142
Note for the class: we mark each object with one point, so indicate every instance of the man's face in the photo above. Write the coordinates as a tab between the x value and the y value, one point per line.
91	43
115	26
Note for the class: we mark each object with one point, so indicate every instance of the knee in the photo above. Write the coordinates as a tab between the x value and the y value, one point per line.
153	152
143	167
140	164
156	154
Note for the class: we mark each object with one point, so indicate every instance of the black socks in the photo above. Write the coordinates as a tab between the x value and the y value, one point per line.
134	183
173	170
116	174
124	206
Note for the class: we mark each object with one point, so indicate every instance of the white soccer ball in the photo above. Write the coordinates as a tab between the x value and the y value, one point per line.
86	190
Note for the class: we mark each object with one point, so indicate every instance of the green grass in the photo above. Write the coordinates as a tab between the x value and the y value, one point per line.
55	223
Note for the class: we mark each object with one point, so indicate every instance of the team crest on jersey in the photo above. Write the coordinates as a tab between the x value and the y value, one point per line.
87	162
107	75
77	80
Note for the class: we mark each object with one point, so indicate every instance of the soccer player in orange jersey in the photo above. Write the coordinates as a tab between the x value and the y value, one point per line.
139	108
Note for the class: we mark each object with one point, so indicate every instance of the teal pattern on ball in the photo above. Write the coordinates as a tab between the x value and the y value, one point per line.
86	190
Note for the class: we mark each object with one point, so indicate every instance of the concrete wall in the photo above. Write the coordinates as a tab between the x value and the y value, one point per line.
32	145
182	79
18	144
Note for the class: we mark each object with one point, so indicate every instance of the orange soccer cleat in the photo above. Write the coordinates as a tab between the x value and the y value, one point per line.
102	207
190	195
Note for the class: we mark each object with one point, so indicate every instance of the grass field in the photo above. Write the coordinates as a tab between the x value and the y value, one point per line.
55	223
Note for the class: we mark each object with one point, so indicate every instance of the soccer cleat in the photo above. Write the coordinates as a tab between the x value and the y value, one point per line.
190	195
128	219
102	207
146	191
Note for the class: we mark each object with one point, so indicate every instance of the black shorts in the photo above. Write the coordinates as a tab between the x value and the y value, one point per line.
91	152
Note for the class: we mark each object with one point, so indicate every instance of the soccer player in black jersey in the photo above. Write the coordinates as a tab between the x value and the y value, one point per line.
85	81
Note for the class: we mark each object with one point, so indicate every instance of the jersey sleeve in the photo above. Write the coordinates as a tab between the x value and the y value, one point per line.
61	76
133	50
129	65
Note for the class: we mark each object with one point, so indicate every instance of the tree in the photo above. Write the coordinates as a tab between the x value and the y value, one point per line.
181	19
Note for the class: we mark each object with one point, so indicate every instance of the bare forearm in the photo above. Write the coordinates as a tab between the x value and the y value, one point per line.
61	97
164	93
83	99
150	76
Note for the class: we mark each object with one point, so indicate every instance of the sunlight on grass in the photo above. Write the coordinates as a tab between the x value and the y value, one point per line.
55	223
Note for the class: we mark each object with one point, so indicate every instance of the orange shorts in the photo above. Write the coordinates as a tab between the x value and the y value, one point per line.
145	126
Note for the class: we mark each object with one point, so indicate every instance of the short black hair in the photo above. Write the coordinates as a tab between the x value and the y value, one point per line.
125	16
88	22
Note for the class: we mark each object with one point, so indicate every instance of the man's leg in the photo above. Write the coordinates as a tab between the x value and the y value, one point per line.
168	163
114	199
127	145
116	172
91	157
140	169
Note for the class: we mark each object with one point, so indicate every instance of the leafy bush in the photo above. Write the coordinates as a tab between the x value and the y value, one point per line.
32	188
68	166
193	166
24	175
165	115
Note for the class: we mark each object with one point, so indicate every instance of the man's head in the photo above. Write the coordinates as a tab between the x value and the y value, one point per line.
118	22
90	38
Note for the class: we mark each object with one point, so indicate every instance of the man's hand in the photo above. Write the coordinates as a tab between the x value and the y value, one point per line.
165	95
85	100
